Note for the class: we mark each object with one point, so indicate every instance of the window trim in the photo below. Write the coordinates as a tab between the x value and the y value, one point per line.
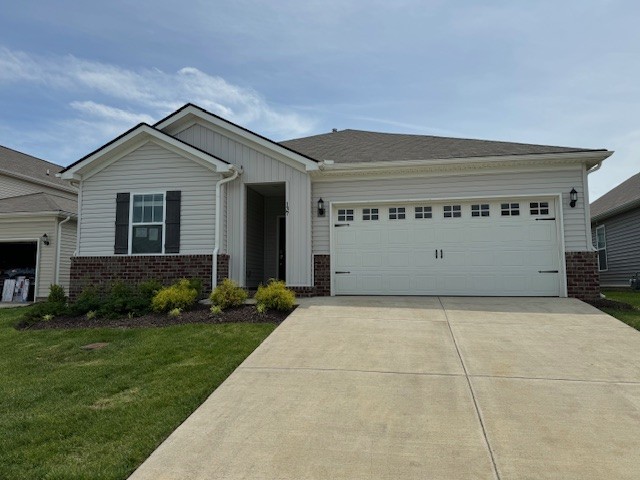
164	220
604	248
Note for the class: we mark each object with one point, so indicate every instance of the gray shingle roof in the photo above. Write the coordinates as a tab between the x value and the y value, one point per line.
18	163
628	192
348	146
38	202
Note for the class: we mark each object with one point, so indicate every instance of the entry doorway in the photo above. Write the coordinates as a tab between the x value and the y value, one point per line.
265	240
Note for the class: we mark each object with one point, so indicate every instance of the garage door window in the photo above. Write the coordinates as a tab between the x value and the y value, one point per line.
539	208
397	213
369	214
510	209
452	211
601	245
423	212
345	215
481	210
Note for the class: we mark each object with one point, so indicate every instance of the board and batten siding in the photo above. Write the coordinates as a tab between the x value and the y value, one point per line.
622	234
148	169
259	167
34	228
15	187
486	184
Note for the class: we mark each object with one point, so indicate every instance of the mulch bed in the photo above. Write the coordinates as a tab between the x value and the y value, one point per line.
606	303
199	314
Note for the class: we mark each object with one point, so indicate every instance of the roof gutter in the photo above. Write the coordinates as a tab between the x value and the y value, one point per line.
58	247
216	248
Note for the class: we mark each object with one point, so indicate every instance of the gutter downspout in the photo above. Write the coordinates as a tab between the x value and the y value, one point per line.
59	243
216	247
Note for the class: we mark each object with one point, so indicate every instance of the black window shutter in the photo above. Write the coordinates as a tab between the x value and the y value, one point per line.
121	246
172	240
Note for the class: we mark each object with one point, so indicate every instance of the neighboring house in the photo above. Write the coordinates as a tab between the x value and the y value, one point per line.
344	213
615	223
37	222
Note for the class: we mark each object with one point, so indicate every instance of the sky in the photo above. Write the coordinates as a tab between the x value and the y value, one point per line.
75	74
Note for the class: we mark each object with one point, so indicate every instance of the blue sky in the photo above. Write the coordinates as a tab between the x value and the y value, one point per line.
74	74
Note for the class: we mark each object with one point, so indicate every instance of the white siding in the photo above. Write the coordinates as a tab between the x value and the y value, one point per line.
260	168
67	247
150	168
14	187
34	228
547	181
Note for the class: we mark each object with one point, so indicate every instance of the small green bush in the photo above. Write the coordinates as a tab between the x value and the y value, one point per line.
261	308
88	300
179	295
197	284
215	310
36	312
57	294
116	302
175	312
48	317
148	289
228	294
275	295
91	314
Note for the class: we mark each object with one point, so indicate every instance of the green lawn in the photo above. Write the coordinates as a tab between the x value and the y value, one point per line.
631	297
70	413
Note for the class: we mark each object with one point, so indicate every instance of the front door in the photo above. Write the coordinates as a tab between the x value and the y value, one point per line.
282	248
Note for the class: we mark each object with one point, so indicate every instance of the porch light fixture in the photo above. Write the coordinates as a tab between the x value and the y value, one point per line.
45	239
573	196
320	208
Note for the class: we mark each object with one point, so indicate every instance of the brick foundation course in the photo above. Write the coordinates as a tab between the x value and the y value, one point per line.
583	280
223	268
322	275
133	269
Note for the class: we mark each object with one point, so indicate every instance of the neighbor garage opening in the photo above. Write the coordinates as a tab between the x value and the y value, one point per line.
18	262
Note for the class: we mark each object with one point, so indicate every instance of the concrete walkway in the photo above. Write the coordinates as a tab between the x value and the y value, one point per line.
424	388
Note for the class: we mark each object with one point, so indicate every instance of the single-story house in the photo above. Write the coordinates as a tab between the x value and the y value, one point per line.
37	224
344	213
615	223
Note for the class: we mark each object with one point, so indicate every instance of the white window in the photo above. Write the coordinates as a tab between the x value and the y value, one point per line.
601	246
147	223
345	215
397	213
452	211
539	208
423	212
481	210
510	209
369	214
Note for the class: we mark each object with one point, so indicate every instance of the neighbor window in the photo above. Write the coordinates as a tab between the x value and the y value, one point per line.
423	212
397	213
481	210
510	209
369	214
345	215
539	208
147	223
452	211
601	246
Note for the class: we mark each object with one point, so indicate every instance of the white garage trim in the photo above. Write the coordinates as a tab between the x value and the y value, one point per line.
37	274
558	211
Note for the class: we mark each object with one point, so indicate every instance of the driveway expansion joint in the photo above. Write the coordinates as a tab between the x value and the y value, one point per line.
574	380
384	372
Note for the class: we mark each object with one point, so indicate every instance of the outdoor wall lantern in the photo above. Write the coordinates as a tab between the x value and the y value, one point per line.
573	196
45	239
320	208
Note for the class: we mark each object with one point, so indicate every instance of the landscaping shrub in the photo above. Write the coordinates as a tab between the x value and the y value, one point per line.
38	311
175	312
88	300
148	289
215	310
228	294
57	294
117	301
179	295
197	284
275	295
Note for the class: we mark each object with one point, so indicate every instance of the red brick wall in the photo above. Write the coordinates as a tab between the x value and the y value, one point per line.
101	271
583	280
322	275
223	268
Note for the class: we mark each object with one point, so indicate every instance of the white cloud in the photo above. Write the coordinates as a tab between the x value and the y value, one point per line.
108	99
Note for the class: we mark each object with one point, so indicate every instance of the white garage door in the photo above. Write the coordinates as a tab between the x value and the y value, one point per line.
453	248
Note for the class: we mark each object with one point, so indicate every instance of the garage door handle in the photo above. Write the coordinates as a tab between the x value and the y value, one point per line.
436	253
441	254
342	273
341	225
543	219
548	271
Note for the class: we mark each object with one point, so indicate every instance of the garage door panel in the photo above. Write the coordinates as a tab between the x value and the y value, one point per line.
483	255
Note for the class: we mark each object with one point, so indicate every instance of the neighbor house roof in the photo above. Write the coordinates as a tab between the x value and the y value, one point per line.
624	196
38	202
354	146
25	166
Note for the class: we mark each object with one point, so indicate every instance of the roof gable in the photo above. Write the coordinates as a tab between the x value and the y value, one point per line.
133	139
189	114
624	196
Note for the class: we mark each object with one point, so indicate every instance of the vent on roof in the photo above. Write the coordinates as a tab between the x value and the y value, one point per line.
334	130
47	172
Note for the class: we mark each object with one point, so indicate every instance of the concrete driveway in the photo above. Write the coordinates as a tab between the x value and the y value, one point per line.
424	388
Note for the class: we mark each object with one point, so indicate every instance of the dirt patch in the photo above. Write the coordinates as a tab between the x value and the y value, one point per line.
199	314
606	303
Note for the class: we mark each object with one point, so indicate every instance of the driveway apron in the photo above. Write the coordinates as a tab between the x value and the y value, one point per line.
425	388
